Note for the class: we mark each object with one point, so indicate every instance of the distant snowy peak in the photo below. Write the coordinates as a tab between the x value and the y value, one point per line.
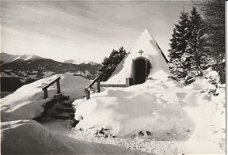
70	61
79	61
6	58
28	57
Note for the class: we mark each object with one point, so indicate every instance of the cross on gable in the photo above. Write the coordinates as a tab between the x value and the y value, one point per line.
141	52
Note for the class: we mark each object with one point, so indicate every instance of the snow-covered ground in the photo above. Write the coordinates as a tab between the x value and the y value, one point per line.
27	102
190	117
30	137
139	143
157	117
23	136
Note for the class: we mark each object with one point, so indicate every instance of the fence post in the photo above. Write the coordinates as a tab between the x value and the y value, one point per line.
87	94
129	81
45	93
58	86
98	86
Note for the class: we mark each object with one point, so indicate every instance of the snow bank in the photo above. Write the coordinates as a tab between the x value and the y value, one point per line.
39	140
161	110
209	115
27	102
153	107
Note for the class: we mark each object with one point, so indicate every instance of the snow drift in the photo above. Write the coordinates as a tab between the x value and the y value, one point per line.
27	102
161	110
39	140
153	107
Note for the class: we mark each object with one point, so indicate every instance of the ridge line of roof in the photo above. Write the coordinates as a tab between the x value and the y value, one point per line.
167	61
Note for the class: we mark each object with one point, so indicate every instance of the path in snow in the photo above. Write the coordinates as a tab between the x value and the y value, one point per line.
40	140
143	144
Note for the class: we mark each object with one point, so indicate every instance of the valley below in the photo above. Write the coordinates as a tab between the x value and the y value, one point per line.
17	71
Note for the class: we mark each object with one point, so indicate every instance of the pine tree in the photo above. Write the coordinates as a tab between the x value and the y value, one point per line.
173	45
109	64
214	14
179	46
196	50
187	50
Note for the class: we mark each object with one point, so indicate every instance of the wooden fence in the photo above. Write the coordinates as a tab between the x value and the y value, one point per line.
129	82
46	87
89	87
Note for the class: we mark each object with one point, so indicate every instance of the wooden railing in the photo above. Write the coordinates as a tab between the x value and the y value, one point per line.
113	85
129	82
89	87
46	87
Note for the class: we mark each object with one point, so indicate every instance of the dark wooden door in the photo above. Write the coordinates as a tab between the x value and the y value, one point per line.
140	70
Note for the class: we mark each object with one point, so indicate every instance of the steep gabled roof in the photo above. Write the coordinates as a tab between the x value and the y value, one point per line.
151	51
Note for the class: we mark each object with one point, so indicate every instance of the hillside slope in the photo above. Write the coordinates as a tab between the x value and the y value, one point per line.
40	68
16	71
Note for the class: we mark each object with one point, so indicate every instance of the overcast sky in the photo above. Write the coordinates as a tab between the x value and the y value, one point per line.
84	29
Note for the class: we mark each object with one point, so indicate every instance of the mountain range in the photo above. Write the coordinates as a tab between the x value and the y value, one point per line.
17	70
79	61
6	58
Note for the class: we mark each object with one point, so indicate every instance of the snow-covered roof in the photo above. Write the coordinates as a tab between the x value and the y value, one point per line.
151	51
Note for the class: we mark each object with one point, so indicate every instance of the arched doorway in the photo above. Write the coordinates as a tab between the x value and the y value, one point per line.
141	69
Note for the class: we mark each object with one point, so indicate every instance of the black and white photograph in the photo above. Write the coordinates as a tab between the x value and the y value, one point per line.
115	77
